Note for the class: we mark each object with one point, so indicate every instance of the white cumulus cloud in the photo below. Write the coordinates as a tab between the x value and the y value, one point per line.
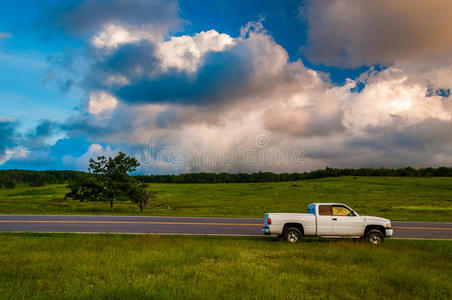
101	103
260	92
114	35
185	52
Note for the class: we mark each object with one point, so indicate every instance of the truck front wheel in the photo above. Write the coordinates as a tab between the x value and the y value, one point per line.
375	237
292	235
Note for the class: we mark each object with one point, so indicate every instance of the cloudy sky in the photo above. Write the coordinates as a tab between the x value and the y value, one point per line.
230	86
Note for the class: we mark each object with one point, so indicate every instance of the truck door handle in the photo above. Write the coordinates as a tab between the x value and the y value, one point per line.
334	219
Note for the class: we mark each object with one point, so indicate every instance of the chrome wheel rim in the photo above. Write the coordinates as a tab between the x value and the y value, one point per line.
375	238
292	237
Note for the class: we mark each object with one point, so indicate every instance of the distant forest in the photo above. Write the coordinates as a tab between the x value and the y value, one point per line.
9	178
275	177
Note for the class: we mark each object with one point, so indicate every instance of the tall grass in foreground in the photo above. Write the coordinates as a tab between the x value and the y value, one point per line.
165	267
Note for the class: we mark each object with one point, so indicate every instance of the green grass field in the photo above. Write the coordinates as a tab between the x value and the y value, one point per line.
50	266
396	198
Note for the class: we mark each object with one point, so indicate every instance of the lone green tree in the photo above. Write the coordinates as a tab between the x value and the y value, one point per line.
108	180
113	175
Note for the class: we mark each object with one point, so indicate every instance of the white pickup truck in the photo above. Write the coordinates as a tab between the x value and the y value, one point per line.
327	220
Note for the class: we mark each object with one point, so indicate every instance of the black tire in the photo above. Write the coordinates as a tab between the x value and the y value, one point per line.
292	235
375	237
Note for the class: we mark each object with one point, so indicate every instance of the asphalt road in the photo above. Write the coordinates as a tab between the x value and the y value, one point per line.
183	225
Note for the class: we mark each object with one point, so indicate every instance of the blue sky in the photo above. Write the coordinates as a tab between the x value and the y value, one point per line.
330	79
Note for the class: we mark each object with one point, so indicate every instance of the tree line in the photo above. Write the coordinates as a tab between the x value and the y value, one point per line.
277	177
9	178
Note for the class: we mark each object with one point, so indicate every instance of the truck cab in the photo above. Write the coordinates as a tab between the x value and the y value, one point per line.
327	220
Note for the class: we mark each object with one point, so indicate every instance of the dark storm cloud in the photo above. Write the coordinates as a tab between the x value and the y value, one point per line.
131	61
222	76
37	137
45	128
428	142
354	33
9	138
81	125
305	122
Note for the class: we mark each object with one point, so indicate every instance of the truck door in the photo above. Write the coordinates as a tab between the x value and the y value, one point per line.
325	220
346	222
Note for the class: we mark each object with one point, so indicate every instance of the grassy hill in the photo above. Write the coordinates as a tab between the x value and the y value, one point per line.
396	198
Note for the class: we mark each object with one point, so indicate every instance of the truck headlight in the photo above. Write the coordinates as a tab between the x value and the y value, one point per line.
388	225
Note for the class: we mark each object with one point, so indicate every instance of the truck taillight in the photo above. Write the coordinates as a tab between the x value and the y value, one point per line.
269	221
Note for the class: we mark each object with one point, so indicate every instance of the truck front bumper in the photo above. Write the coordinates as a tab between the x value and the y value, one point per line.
266	230
389	232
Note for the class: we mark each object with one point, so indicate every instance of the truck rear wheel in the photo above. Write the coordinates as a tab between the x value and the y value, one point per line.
292	235
375	237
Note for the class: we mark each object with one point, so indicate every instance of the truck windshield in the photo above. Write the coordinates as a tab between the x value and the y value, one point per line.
311	209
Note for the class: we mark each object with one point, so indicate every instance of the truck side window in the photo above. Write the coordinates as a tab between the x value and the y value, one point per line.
341	211
325	210
311	209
